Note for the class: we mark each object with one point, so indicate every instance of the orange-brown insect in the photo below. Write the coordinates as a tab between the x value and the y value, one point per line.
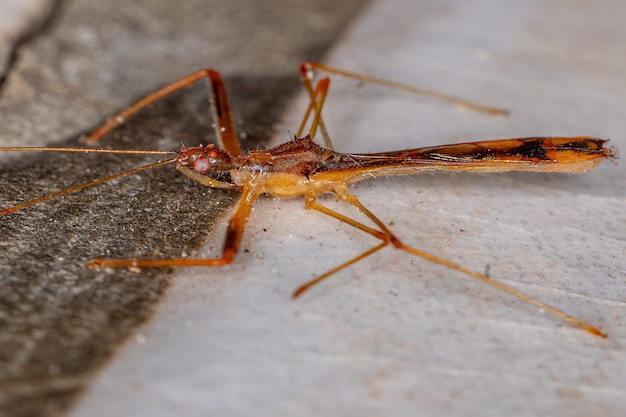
303	168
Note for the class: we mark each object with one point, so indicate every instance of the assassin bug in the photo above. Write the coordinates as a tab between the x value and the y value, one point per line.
302	168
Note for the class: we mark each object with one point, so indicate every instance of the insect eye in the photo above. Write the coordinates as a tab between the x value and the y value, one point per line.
212	154
201	165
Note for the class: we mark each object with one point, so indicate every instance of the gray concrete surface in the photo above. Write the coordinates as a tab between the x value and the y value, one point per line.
60	322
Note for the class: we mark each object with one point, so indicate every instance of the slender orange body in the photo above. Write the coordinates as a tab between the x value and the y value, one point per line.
301	167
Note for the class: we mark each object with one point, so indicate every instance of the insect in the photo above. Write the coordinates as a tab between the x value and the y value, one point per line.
303	168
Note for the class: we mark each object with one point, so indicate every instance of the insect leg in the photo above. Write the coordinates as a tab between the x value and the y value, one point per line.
389	237
224	126
204	180
234	234
311	203
316	104
308	67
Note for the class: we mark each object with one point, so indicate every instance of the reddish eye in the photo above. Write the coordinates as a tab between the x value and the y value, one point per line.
212	154
201	165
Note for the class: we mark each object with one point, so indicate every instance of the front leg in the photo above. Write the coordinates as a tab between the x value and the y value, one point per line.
234	233
204	180
224	126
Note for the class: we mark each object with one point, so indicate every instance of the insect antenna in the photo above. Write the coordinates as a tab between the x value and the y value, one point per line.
90	183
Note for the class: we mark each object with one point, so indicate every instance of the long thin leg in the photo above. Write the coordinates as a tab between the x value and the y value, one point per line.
224	126
321	89
307	68
388	236
318	95
234	234
311	203
316	104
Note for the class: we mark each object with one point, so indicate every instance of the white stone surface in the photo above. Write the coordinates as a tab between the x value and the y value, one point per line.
395	335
